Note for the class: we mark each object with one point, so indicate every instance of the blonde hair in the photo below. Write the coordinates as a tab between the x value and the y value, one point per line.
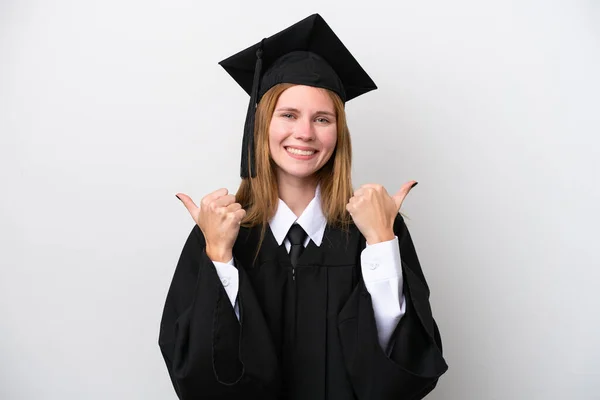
259	195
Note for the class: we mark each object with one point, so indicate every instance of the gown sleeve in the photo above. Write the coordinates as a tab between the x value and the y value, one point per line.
415	361
208	353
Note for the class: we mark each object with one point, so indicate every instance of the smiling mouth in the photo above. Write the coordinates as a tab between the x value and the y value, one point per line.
299	152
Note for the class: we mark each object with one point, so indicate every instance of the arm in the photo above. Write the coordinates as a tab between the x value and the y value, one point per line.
228	275
382	275
206	350
415	363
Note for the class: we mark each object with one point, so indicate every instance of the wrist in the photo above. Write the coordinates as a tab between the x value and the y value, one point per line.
379	237
219	254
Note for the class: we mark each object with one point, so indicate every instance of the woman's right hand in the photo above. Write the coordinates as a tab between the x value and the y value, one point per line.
219	218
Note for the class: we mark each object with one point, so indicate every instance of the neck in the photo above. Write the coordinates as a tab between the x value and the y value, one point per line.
297	193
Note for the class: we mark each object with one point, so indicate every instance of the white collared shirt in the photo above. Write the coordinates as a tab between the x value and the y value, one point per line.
312	220
380	263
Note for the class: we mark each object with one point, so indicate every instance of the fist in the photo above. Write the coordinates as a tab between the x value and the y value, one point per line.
219	218
373	210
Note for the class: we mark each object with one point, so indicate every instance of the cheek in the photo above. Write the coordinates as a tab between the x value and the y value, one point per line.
276	134
329	140
272	138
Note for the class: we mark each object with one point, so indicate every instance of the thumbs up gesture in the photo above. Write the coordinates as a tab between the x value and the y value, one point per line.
374	210
219	218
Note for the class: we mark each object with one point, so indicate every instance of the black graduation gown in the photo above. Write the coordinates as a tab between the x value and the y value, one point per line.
308	334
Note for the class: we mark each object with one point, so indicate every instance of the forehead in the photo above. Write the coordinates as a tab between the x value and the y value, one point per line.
300	96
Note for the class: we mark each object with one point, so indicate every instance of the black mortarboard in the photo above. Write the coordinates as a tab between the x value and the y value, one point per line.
307	53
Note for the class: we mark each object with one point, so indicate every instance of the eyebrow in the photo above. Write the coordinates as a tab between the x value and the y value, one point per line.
292	109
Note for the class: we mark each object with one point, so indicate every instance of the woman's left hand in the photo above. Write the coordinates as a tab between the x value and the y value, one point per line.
374	210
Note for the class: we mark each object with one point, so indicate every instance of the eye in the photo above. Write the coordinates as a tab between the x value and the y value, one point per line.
322	120
288	115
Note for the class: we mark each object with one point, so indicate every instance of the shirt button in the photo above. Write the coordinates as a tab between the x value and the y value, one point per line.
373	265
225	281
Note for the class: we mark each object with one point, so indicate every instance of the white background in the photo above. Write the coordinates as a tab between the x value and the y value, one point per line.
109	108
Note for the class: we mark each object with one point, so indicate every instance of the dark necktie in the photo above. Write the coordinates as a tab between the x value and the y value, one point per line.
296	236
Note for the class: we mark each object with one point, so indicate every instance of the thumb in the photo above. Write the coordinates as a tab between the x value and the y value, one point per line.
188	203
403	192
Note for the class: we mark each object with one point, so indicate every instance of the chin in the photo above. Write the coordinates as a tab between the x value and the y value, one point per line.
299	174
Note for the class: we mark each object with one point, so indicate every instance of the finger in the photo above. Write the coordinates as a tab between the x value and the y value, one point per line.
188	203
350	208
363	191
375	186
369	189
233	207
223	201
239	215
209	198
403	192
358	200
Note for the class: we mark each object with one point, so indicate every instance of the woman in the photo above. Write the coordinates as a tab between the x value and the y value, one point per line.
297	287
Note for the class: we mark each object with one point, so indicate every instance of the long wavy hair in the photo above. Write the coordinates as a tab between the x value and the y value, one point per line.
259	196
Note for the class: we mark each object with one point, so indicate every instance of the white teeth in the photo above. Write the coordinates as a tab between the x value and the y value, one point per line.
301	152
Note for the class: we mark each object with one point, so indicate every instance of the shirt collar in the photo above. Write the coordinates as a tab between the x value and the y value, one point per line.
312	220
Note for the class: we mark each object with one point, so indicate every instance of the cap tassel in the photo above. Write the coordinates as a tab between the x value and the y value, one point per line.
248	157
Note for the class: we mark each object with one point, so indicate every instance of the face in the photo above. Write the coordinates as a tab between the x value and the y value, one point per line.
303	132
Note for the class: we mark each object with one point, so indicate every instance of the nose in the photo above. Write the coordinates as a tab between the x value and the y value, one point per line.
304	130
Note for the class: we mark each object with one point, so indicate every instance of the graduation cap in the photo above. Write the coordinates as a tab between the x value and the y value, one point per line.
306	53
